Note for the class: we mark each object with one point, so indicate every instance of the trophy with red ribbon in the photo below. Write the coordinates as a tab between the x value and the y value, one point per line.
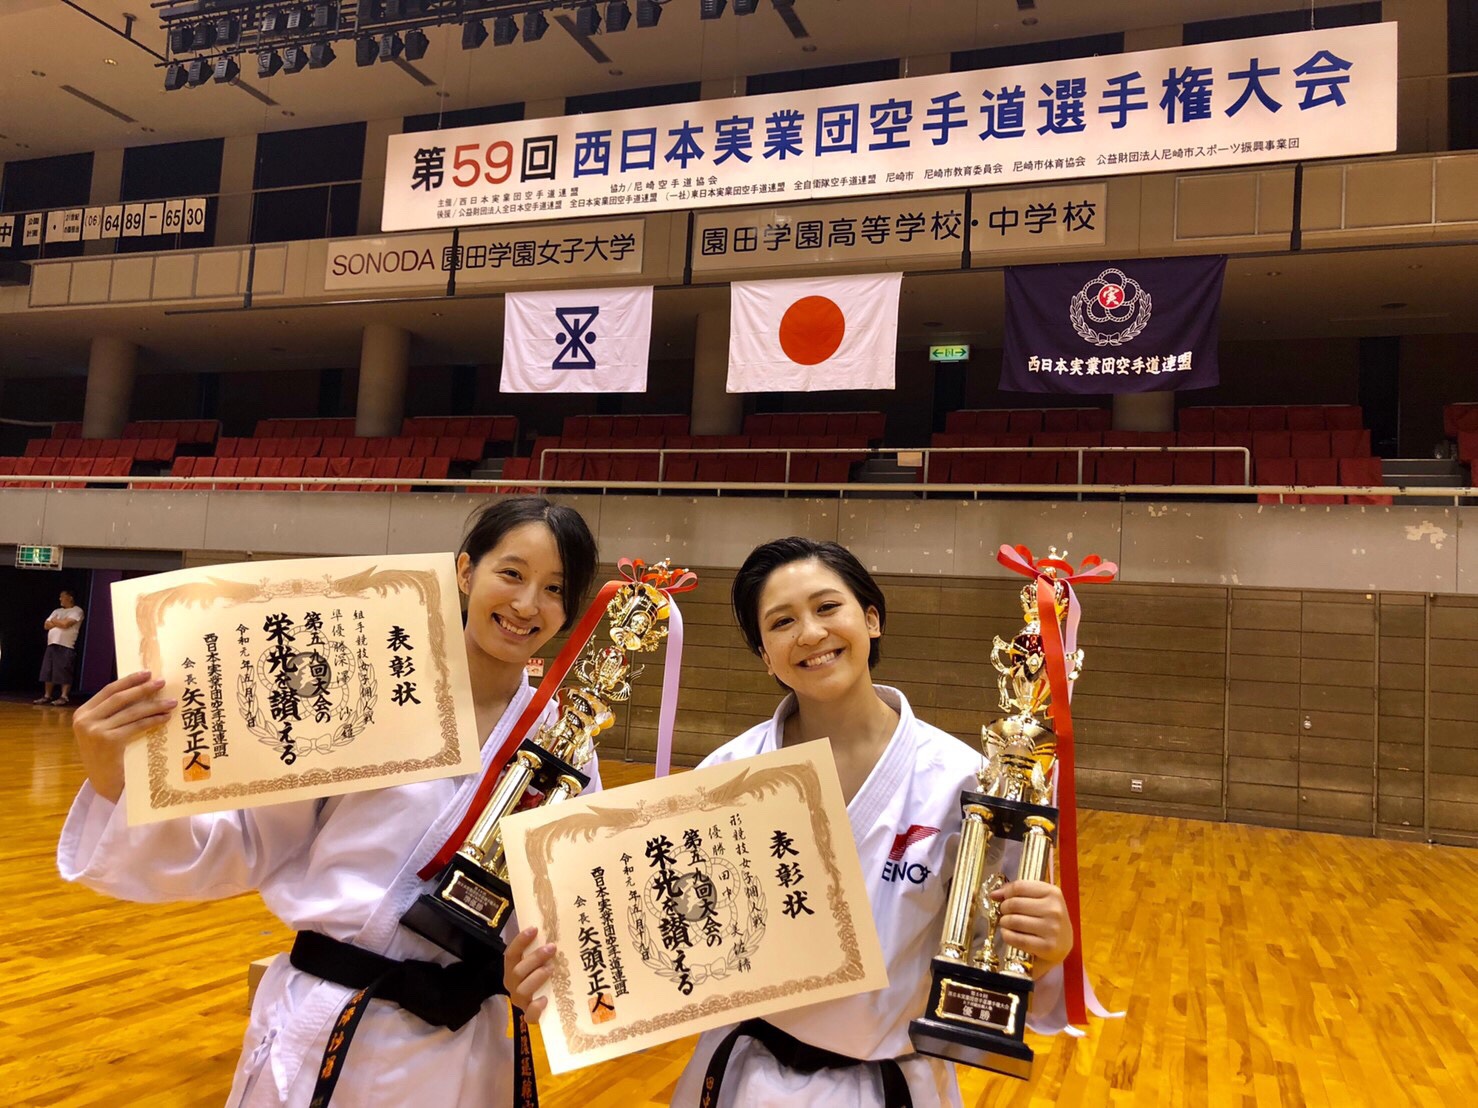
982	985
472	900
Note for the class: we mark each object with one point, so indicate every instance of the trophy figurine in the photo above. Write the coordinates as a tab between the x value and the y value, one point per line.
472	899
981	985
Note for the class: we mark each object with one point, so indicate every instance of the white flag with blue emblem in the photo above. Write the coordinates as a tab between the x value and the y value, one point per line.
577	340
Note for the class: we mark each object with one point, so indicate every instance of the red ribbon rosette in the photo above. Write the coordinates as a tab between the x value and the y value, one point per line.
1058	642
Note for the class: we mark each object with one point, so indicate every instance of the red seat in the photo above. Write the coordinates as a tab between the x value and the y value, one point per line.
361	467
1095	419
1114	469
567	467
1306	417
1350	444
741	468
803	468
292	467
71	448
1277	471
1024	421
1231	419
711	467
809	423
1195	469
675	425
1267	418
1154	469
375	447
1467	445
517	468
757	423
1319	471
833	471
1002	469
225	467
1233	438
598	467
52	448
1195	438
91	448
1271	444
871	425
339	467
783	423
680	469
1456	418
1060	419
1362	471
423	446
408	469
1039	469
841	423
316	467
268	467
597	427
1308	444
1050	438
435	469
355	447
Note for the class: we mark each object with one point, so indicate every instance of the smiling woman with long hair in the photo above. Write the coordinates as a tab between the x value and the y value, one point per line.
344	868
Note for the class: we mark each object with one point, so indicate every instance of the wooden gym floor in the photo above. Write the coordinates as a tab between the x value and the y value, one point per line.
1257	967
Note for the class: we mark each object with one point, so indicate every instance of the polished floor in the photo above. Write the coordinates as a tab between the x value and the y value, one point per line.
1256	967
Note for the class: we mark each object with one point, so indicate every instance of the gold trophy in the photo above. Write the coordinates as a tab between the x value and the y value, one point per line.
467	910
981	986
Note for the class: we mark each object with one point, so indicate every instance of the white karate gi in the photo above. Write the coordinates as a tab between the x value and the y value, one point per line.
915	787
346	867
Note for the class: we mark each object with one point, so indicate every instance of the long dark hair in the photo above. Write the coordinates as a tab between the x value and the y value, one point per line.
766	559
576	544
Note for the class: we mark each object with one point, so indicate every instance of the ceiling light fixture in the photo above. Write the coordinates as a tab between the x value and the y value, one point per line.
474	34
534	26
587	20
269	64
648	13
416	45
618	16
505	30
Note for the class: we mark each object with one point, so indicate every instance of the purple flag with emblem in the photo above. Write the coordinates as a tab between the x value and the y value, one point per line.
1095	327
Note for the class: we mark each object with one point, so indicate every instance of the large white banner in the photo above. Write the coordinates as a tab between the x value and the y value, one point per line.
577	340
1314	94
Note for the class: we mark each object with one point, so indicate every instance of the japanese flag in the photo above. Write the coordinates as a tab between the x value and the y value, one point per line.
577	340
813	334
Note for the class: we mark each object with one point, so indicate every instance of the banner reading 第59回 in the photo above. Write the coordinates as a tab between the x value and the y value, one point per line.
1314	94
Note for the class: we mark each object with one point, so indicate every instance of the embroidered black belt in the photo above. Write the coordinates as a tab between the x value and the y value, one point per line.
801	1057
443	996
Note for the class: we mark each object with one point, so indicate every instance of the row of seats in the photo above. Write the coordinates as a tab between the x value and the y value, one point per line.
855	446
139	450
624	426
388	469
1263	444
869	425
74	467
828	468
503	429
1273	417
1157	469
463	448
998	421
192	431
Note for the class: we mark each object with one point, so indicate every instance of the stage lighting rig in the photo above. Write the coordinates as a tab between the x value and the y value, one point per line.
174	77
226	70
474	34
534	26
294	59
269	64
416	45
618	15
648	13
390	47
320	55
587	20
505	30
711	9
366	49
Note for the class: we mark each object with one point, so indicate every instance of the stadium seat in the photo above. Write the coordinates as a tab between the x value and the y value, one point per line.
1154	469
1039	469
871	425
1306	417
1271	444
1362	471
1308	444
1319	471
1230	419
1195	438
1267	417
1350	443
1195	469
1024	421
316	467
810	423
1276	471
1114	469
435	469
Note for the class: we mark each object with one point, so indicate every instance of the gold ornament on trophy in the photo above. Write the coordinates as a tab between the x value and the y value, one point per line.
472	899
981	987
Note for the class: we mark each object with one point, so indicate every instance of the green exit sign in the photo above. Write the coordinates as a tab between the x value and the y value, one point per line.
949	353
38	557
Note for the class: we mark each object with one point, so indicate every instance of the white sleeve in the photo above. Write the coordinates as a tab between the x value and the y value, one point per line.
195	858
1047	1012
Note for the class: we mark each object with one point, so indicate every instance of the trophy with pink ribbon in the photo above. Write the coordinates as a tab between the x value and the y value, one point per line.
472	899
981	987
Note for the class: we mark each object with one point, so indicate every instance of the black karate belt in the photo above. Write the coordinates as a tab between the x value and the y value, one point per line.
444	996
793	1054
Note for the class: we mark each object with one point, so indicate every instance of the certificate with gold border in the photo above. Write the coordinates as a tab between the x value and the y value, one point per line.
690	902
303	678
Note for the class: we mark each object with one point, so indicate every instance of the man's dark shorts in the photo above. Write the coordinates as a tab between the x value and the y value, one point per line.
57	664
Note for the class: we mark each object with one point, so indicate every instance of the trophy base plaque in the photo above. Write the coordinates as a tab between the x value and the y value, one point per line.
466	912
976	1017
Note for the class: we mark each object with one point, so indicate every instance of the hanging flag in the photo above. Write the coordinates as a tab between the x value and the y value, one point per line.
813	334
1134	326
577	340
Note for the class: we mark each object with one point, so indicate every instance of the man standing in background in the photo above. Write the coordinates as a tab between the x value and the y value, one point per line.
60	660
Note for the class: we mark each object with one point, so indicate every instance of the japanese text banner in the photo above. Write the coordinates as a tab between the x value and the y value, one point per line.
1313	94
694	901
296	679
1090	328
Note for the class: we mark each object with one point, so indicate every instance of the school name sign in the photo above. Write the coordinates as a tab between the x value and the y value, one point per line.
1314	94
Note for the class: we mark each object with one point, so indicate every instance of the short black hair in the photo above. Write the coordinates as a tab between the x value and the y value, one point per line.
764	560
576	544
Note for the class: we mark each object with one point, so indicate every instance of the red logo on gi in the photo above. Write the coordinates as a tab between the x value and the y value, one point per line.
895	869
